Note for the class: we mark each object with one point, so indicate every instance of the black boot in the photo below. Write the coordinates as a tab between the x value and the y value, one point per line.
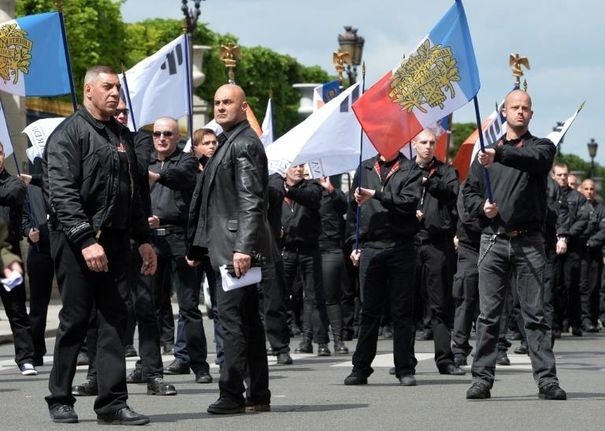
335	317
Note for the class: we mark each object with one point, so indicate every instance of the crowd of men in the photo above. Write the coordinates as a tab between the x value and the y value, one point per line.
511	249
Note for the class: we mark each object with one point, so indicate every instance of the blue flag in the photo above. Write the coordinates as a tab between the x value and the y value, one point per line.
33	57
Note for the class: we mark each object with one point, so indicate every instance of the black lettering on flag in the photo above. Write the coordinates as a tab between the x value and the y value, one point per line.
173	60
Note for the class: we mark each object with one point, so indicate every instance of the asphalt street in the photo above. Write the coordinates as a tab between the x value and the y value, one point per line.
310	395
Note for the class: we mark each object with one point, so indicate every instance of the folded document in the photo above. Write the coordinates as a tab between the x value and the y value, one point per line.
230	282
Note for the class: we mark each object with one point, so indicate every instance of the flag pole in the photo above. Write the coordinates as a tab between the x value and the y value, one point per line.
359	170
189	69
74	100
128	100
488	186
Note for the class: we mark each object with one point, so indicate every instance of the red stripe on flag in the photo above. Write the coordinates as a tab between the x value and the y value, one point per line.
386	124
462	161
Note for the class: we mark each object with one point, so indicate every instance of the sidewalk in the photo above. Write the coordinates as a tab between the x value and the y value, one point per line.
52	322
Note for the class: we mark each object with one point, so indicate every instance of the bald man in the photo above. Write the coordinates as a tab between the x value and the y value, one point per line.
512	245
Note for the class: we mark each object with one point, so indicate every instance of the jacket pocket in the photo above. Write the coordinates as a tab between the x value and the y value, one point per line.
232	225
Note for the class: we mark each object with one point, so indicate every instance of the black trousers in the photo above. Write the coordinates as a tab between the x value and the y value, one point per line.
80	289
387	275
275	312
244	345
567	288
590	284
466	297
434	277
332	269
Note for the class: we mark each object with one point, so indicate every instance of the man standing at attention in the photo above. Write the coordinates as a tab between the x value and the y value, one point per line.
512	245
95	209
228	221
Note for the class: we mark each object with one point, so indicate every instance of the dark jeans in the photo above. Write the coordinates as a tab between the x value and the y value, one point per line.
387	276
434	277
466	297
332	269
591	269
567	305
80	289
244	344
40	271
275	313
308	264
519	263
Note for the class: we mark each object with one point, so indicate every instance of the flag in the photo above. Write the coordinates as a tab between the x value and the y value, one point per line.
328	140
557	135
157	85
443	132
38	133
267	128
323	93
493	128
33	56
437	78
5	137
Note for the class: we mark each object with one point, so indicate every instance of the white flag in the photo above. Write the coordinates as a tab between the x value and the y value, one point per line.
495	129
267	127
5	137
556	135
328	140
158	86
38	133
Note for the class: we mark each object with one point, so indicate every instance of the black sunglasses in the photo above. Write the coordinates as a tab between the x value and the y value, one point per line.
166	133
124	111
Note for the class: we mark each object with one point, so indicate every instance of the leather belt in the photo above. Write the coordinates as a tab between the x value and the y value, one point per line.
514	233
167	230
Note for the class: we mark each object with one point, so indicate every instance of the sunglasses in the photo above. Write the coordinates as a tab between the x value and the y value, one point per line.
124	111
166	133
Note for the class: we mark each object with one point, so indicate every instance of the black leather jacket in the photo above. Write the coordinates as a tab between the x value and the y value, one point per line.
81	178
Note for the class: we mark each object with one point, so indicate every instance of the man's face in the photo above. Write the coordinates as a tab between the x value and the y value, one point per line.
104	94
229	106
206	146
517	109
121	113
560	174
295	174
572	180
165	136
589	190
424	144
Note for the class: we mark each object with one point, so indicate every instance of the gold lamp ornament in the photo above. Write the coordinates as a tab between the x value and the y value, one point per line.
515	62
229	55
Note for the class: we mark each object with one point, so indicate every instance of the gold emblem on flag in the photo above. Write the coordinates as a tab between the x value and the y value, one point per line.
15	53
424	78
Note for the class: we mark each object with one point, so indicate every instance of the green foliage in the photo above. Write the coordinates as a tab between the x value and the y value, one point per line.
460	131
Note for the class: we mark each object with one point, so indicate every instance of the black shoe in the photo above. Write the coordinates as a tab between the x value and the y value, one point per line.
130	351
177	367
258	408
478	391
576	331
135	376
167	349
224	406
87	389
304	347
521	350
356	378
340	348
284	359
203	377
323	350
392	371
407	380
124	416
460	360
82	359
63	414
157	386
552	392
453	370
502	358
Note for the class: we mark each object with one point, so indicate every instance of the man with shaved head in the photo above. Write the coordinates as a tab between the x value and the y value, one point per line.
228	222
512	251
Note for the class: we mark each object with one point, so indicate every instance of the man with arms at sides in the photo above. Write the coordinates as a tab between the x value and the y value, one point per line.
228	221
90	172
512	245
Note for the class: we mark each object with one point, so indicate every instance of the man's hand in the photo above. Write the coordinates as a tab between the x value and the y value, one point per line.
363	195
490	209
153	177
34	235
456	242
241	263
25	179
192	263
419	215
355	257
154	222
561	247
150	260
326	184
487	158
13	267
95	258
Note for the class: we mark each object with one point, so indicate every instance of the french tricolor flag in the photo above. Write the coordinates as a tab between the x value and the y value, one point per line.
437	78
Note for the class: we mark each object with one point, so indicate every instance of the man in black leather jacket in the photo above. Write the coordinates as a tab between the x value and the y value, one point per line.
90	172
228	221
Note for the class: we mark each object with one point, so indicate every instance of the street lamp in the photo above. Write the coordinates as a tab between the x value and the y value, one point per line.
592	146
191	15
351	43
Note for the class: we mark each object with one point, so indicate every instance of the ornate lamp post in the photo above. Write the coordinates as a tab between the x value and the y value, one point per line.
191	15
592	146
352	44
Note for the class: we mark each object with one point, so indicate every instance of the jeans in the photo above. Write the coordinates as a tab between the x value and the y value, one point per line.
518	262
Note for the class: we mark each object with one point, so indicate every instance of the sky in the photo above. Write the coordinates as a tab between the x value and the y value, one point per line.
563	39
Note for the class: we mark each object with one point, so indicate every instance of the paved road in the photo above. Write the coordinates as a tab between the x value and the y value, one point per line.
310	395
